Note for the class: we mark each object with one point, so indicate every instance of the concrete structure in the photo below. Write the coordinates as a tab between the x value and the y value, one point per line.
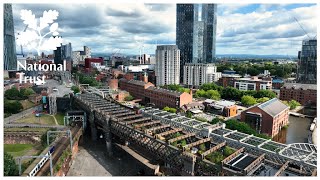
167	65
138	68
196	33
307	65
148	93
222	107
252	83
268	117
9	46
152	133
196	74
305	94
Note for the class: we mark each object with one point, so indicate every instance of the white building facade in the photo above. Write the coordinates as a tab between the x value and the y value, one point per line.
80	56
196	74
253	83
167	68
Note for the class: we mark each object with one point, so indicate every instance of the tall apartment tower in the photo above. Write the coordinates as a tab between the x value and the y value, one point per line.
196	33
197	74
307	65
9	56
167	68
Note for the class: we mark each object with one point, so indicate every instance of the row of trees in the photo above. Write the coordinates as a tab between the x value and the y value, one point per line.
250	101
292	104
213	91
12	107
15	94
240	126
279	70
85	79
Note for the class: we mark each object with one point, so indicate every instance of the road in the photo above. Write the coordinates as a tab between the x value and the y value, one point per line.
62	89
20	115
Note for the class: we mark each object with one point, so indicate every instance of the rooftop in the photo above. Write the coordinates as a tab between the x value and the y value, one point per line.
166	91
299	86
273	107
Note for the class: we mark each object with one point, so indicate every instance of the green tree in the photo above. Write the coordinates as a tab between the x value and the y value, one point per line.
213	94
216	120
201	93
189	114
12	94
227	151
27	92
12	107
183	142
293	104
129	98
265	93
248	100
75	89
10	166
231	93
262	100
202	147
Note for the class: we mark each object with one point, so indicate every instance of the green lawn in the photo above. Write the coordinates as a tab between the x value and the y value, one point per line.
32	119
60	118
17	149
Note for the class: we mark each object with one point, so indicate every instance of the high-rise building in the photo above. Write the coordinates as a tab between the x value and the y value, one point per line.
196	33
196	74
66	51
167	65
307	65
78	57
9	56
58	56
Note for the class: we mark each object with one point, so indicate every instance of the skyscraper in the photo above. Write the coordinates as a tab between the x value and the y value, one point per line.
307	65
9	48
167	67
196	33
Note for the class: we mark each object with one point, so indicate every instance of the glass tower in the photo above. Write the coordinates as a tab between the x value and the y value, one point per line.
196	33
307	65
9	48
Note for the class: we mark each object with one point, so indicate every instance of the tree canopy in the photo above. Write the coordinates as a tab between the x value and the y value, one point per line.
248	100
10	166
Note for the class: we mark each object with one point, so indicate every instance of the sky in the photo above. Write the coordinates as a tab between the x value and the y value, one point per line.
261	29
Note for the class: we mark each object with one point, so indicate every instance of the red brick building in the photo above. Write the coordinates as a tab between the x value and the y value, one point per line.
268	117
228	80
88	62
113	84
305	94
148	93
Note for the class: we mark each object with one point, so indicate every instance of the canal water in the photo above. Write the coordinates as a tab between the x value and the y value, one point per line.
298	129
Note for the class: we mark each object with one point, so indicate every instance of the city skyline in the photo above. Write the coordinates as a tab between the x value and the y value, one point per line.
106	28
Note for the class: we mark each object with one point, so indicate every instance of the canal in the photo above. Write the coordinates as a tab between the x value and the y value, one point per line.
298	129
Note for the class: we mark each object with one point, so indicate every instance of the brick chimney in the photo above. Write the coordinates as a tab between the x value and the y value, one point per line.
190	92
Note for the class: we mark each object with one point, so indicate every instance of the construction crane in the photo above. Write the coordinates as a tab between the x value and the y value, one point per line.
21	48
301	27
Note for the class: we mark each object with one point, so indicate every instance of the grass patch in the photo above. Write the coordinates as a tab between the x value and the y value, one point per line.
17	149
60	118
32	119
27	104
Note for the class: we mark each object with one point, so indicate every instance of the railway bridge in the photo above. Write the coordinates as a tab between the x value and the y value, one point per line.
191	147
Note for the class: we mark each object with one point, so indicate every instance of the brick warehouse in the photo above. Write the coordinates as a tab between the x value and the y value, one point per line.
148	93
305	94
268	117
